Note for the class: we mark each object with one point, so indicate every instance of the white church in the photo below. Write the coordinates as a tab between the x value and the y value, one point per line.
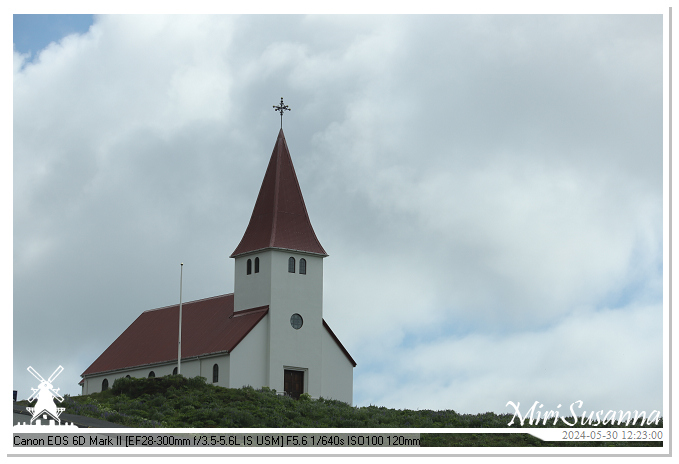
269	332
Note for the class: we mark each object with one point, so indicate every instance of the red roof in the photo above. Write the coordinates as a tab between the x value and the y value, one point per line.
279	218
208	326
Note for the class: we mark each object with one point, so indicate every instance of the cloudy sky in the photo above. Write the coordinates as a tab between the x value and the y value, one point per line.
489	189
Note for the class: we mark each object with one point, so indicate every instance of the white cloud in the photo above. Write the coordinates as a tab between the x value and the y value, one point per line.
599	357
484	186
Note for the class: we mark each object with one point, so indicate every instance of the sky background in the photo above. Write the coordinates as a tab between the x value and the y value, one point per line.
489	190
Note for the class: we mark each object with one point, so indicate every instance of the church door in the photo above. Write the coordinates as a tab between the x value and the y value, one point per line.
293	383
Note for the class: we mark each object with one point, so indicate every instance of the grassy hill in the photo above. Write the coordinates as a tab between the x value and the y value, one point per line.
175	401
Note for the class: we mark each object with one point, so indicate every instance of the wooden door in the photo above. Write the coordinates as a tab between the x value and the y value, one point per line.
293	383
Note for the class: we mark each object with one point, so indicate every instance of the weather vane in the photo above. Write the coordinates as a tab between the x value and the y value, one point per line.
280	108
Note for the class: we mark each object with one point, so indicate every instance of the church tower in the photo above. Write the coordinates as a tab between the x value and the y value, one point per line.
279	264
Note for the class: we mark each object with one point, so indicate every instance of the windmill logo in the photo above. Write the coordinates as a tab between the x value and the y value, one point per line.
46	394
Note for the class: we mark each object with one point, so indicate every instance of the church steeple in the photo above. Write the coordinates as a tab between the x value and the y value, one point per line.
279	218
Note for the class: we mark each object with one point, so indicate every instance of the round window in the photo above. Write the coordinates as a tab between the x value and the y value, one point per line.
296	321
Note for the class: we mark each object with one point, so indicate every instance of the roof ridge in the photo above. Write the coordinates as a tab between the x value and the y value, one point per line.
188	302
272	239
245	312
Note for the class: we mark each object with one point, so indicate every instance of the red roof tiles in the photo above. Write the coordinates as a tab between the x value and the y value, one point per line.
208	326
279	218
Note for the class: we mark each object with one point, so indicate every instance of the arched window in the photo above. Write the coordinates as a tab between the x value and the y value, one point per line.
127	376
249	266
256	265
291	265
174	371
302	266
152	374
215	373
104	385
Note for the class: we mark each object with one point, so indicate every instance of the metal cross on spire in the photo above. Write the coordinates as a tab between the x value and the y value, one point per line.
280	108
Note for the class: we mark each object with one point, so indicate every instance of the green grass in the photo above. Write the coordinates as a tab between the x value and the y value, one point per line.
177	402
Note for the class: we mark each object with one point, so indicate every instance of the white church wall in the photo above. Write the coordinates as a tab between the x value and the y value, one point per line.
338	372
93	384
189	368
254	289
248	361
207	365
295	293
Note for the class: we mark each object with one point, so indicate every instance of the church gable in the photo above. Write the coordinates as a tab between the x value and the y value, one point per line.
208	326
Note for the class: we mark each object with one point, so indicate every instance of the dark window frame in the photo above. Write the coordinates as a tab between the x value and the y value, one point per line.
249	267
215	373
291	265
302	266
257	265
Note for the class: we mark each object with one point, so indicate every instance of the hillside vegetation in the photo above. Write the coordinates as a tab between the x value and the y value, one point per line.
175	401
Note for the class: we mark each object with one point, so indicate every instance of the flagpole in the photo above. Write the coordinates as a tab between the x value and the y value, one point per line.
179	344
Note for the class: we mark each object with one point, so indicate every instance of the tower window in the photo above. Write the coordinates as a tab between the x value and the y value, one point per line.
256	265
152	374
249	266
174	371
291	264
215	373
302	266
104	385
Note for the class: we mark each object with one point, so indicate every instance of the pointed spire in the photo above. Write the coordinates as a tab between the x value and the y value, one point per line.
279	218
